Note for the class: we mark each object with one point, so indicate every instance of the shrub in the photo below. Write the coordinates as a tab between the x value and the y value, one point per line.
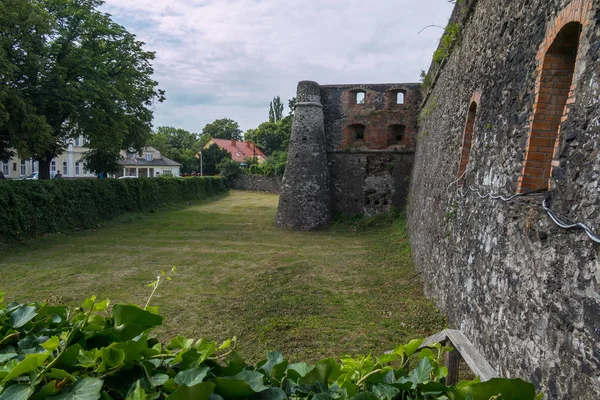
33	208
229	169
274	166
93	352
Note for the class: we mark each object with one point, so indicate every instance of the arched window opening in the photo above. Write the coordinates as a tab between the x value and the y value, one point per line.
357	132
396	134
554	93
359	97
400	98
465	153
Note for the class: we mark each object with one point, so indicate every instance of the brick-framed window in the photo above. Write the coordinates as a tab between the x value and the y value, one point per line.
357	132
358	96
557	57
467	141
396	134
396	97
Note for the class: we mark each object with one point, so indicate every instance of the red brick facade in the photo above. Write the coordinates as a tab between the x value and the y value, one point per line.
555	91
386	123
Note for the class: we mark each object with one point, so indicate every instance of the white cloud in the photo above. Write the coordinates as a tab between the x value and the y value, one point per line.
228	58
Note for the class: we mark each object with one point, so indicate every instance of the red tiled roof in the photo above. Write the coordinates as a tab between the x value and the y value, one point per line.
239	150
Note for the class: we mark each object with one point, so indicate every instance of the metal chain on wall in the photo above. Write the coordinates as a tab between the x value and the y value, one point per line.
559	220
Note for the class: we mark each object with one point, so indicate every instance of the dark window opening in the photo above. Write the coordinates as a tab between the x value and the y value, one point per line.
357	132
551	108
396	134
465	153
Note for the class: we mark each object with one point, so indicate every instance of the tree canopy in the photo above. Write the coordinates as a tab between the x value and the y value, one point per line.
271	136
276	110
178	145
76	72
223	128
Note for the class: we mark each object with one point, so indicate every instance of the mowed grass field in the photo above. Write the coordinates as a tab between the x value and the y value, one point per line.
347	290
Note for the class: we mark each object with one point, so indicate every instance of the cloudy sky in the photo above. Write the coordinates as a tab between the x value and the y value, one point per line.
229	58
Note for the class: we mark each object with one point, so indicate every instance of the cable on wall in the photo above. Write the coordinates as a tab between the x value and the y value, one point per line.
559	220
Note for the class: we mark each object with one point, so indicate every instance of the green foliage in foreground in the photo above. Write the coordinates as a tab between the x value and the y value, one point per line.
93	352
33	208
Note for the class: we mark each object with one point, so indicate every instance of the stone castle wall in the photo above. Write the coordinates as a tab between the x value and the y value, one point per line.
366	135
516	109
257	183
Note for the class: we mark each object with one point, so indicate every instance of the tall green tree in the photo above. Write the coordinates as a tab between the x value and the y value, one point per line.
275	110
211	157
89	77
23	29
223	128
271	136
292	105
178	145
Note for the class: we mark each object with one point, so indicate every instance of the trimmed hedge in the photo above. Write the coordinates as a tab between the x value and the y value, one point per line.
33	208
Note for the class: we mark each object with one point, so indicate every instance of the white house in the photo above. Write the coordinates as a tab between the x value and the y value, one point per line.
69	163
150	164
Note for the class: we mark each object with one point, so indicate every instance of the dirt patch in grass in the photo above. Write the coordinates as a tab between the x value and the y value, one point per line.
348	290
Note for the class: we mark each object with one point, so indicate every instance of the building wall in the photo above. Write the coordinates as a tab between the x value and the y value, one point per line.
370	175
526	292
69	159
269	184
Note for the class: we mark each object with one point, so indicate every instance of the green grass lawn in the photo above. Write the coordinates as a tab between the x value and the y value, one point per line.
311	295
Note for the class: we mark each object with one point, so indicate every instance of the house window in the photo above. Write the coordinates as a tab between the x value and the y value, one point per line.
465	153
23	168
77	141
83	141
554	94
149	157
85	170
14	167
5	168
76	167
167	172
396	133
65	169
53	168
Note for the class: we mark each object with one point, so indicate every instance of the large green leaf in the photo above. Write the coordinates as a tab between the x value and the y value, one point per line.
84	389
130	321
421	372
364	396
384	391
192	376
17	392
113	357
138	393
22	315
244	384
510	389
321	373
29	364
273	393
412	346
201	391
273	358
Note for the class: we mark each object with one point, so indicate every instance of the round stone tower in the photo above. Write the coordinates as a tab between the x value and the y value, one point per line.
304	203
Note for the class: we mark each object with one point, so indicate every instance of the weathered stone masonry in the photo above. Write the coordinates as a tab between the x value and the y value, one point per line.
525	291
368	137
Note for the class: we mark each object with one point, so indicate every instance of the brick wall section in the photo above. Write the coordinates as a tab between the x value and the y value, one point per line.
554	93
379	113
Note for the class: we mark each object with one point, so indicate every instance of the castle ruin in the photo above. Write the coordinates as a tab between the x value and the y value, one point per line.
512	107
